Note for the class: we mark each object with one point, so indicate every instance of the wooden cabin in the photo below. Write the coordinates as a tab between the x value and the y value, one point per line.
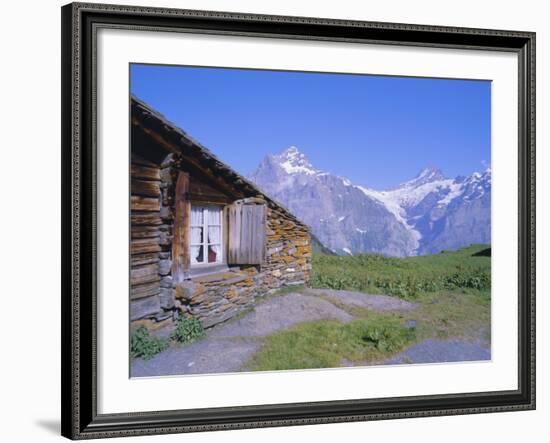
205	241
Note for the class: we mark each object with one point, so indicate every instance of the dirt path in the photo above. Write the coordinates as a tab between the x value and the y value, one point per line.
439	351
228	346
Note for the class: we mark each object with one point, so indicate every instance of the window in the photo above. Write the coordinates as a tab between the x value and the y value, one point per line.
206	235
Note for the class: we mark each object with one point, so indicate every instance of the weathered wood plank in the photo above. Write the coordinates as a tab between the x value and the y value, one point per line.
203	198
144	307
144	290
225	227
144	231
144	274
234	234
142	219
145	188
144	259
144	172
148	204
204	192
180	242
142	161
140	246
247	234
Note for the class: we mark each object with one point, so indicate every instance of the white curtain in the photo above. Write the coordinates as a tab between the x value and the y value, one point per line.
196	254
214	234
196	216
198	241
214	216
196	234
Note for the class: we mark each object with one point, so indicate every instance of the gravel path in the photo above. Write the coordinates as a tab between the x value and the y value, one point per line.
229	345
367	301
439	351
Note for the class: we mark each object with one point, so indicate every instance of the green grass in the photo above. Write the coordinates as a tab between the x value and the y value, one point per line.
452	291
410	277
325	344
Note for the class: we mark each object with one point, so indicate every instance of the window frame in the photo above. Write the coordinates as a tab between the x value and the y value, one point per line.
205	225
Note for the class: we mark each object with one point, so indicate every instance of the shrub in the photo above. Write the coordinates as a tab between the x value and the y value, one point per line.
387	337
143	344
476	280
187	329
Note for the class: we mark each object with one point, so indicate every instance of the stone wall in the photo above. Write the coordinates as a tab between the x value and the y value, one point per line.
218	297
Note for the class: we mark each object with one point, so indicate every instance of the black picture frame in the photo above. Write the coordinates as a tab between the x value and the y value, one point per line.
79	173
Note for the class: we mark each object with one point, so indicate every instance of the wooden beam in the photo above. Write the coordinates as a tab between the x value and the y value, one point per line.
144	172
145	231
145	188
141	161
143	219
180	242
144	274
144	290
144	259
148	204
141	246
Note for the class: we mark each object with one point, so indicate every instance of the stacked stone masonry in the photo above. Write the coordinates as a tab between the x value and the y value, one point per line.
218	297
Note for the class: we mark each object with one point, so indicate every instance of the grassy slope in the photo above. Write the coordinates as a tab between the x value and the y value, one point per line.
409	277
452	290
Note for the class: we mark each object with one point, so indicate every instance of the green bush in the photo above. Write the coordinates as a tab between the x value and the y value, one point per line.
387	337
476	280
143	344
187	329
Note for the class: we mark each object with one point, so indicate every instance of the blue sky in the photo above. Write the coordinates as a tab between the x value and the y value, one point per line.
376	130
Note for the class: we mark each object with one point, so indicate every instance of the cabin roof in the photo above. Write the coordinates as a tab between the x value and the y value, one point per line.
184	143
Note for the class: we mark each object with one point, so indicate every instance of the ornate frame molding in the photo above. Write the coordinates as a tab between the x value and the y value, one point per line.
79	391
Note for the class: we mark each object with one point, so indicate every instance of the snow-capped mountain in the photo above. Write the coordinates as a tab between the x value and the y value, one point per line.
424	215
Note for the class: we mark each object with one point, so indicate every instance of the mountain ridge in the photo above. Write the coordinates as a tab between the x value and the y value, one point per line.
425	214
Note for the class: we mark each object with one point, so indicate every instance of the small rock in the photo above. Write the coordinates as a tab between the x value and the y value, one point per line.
185	290
410	324
166	281
166	298
166	213
165	266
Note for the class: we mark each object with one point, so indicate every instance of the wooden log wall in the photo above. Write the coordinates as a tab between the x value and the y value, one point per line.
145	229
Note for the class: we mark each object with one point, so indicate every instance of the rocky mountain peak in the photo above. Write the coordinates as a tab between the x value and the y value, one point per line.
428	174
293	161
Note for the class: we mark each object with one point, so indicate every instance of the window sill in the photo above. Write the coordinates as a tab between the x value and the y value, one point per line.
201	271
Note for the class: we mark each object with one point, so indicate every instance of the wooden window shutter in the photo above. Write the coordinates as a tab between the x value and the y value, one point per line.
180	241
247	233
